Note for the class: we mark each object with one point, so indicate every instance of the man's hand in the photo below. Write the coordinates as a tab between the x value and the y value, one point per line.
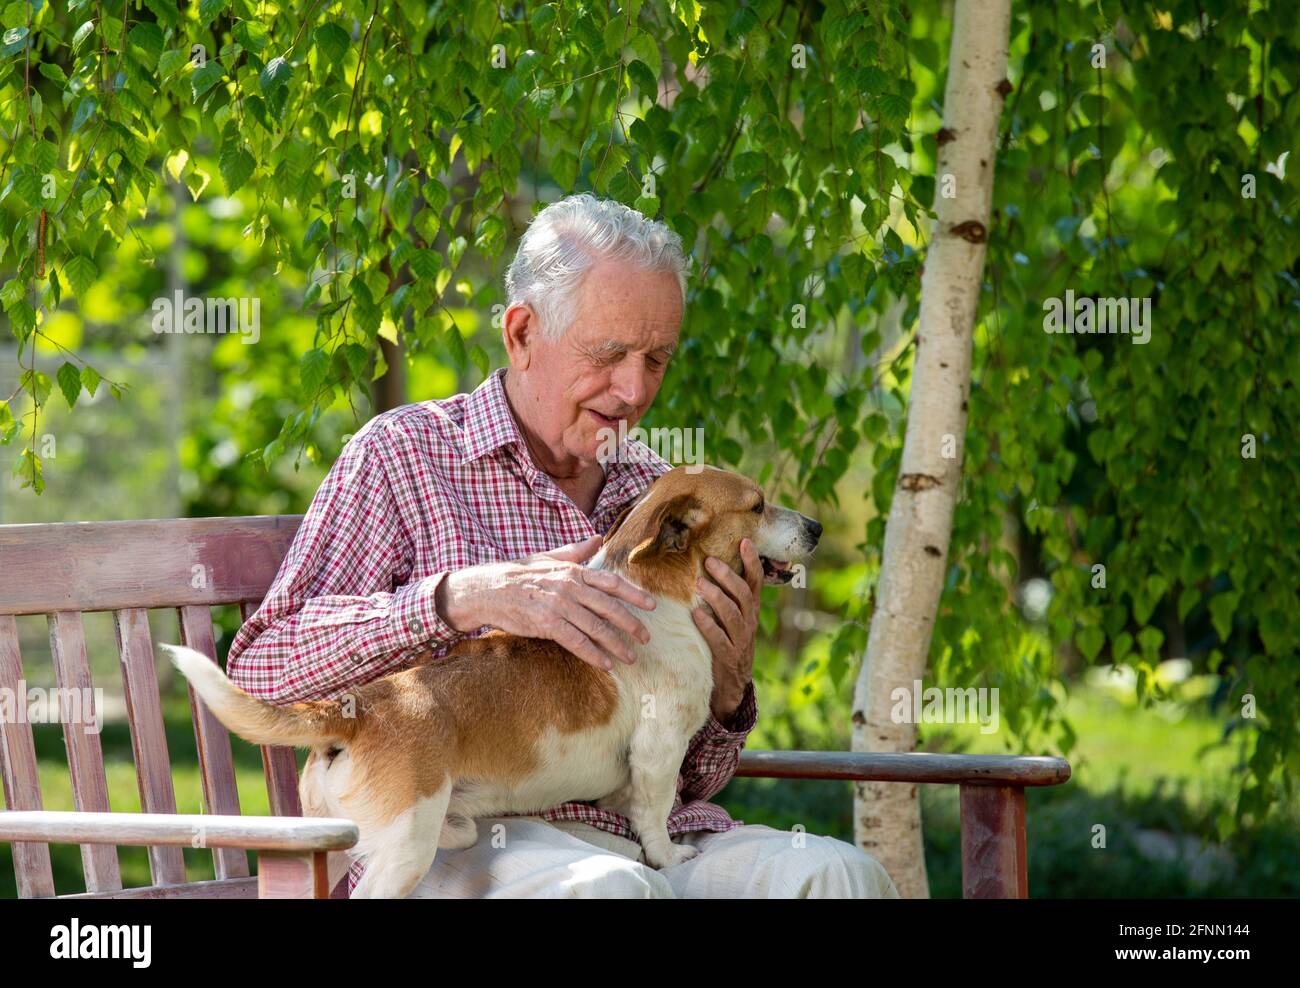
549	595
731	629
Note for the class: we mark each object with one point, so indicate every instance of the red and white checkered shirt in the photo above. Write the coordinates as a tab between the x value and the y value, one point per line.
420	491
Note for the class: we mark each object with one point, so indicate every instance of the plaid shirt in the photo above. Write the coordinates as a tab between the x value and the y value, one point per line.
420	491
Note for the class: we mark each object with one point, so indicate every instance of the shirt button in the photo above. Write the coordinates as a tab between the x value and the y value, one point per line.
356	658
416	626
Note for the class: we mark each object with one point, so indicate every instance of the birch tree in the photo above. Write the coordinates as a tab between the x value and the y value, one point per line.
887	816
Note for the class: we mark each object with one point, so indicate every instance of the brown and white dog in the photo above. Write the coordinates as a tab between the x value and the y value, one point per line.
503	724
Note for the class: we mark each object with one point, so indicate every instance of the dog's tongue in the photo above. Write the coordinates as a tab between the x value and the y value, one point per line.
775	567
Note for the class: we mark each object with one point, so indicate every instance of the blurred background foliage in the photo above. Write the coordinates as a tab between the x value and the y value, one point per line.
800	177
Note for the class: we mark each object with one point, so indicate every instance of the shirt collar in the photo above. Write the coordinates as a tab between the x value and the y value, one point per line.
489	423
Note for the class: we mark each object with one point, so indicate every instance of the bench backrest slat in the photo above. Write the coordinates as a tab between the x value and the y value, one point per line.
113	565
148	735
85	754
22	783
216	765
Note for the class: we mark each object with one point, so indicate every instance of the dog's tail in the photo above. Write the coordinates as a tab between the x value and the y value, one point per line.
307	724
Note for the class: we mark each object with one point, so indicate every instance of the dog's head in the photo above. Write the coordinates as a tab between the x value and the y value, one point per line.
664	537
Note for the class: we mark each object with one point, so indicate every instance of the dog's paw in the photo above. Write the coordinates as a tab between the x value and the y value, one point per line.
674	855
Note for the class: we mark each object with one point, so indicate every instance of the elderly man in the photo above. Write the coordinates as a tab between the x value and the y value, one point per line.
442	519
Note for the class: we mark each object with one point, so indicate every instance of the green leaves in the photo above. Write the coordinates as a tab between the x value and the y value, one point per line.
1222	608
237	166
274	81
612	160
1090	641
8	425
312	371
647	50
27	183
564	169
22	319
15	40
81	274
37	384
333	41
52	71
205	78
170	61
69	379
86	108
894	110
425	263
165	11
209	10
83	34
148	37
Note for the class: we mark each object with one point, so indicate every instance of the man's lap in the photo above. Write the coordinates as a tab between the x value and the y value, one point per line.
527	857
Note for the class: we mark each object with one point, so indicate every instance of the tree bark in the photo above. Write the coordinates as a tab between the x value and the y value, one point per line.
887	816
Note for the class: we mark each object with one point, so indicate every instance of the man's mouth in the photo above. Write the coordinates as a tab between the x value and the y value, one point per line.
604	421
776	570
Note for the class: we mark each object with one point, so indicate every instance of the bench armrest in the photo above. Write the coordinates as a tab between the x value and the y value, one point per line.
909	766
255	833
993	841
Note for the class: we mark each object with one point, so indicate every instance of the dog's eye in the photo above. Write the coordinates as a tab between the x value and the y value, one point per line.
758	508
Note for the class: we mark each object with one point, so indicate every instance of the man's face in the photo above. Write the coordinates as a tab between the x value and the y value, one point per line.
610	362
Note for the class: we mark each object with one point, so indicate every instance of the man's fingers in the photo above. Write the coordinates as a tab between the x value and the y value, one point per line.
726	577
753	568
576	552
580	645
728	614
618	586
713	635
614	612
602	633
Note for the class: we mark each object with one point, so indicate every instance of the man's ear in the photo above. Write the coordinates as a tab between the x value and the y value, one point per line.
518	329
670	529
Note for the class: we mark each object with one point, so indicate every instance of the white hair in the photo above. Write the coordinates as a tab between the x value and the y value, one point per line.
568	237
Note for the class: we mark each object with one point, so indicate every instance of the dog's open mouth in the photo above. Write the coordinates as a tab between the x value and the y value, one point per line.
776	570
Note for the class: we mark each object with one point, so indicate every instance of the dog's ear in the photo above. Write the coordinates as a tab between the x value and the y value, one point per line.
622	517
669	529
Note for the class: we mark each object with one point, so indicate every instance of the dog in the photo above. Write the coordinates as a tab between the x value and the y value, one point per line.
503	724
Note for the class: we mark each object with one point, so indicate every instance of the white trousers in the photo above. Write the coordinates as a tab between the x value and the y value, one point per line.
531	858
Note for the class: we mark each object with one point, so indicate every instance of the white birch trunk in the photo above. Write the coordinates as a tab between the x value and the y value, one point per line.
887	816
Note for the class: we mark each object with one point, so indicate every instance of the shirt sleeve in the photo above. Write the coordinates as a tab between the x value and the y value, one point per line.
337	613
714	753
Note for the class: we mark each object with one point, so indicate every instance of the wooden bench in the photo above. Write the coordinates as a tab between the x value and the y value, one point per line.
192	565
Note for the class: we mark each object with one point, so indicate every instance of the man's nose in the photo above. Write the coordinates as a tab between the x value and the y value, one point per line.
628	383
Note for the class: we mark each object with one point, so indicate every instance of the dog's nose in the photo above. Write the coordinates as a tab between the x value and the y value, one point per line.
814	527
